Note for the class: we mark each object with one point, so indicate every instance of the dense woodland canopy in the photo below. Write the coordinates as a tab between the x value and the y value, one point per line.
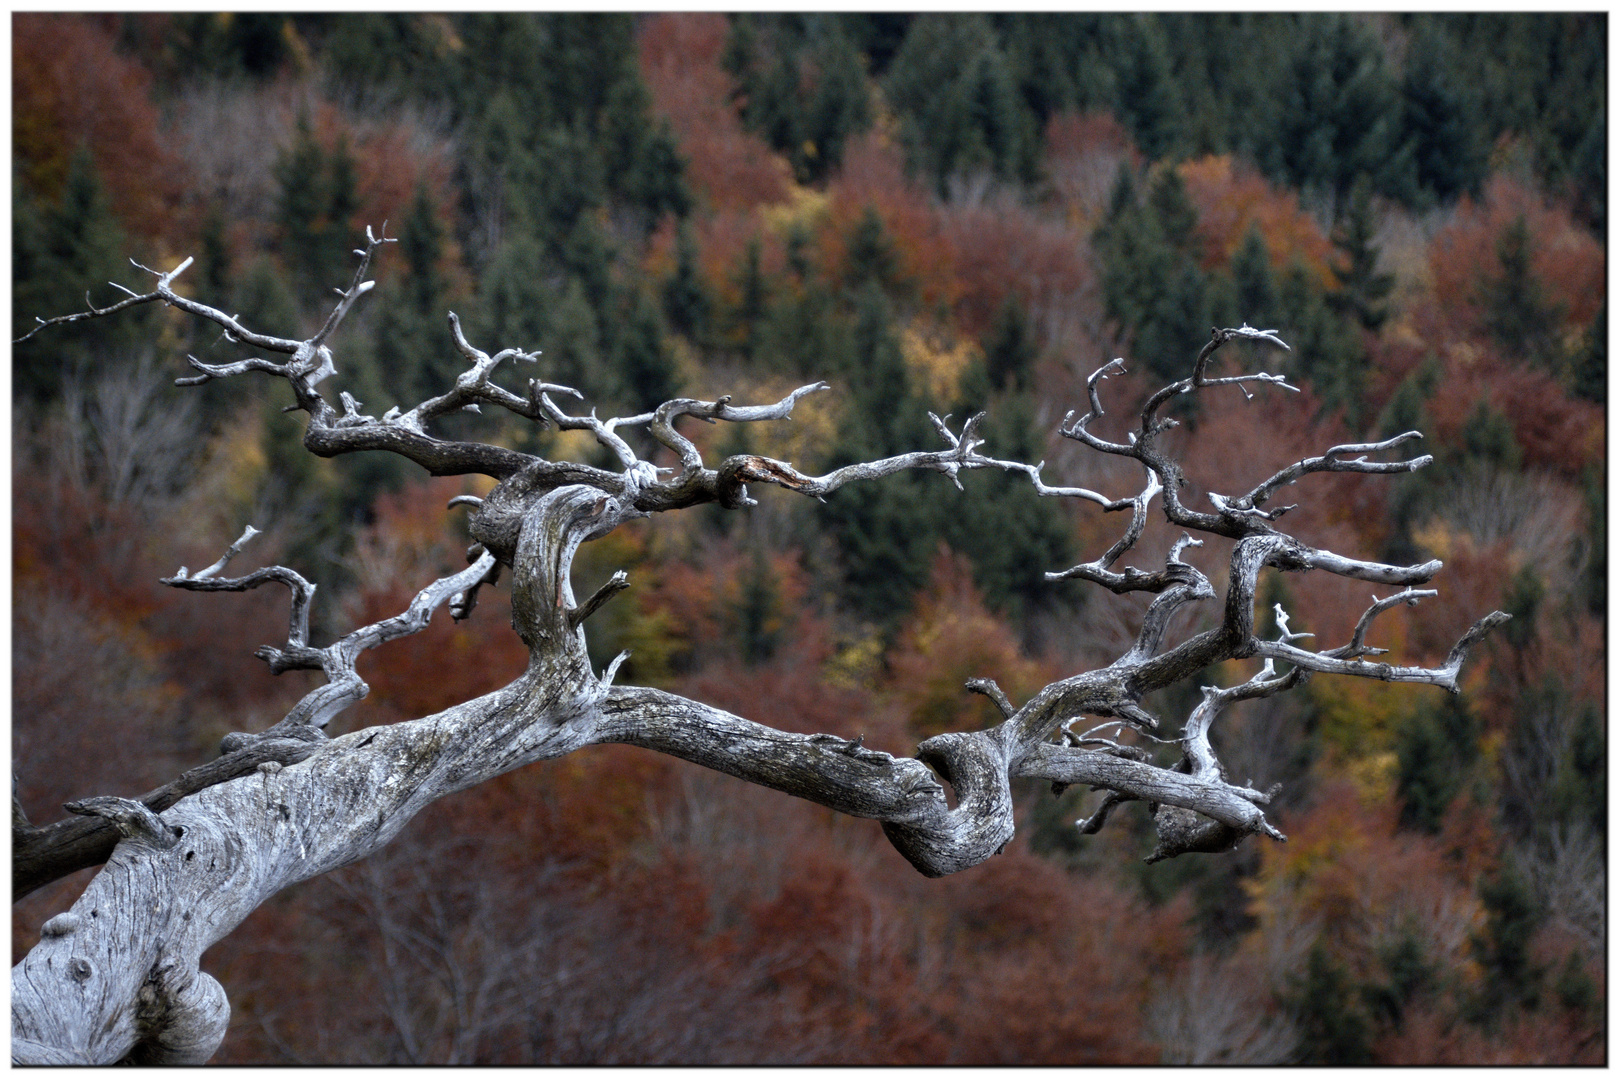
930	212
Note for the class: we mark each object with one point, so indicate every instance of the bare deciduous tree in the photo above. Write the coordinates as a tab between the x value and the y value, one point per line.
117	976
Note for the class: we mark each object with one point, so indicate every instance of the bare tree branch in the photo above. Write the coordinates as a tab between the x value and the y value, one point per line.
117	978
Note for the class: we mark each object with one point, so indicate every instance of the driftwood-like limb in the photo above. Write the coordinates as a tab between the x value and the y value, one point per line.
43	854
117	977
989	689
1332	461
344	686
610	588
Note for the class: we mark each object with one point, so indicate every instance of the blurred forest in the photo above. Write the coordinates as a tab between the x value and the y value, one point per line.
946	212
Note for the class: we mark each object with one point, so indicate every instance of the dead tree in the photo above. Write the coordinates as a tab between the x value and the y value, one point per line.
116	977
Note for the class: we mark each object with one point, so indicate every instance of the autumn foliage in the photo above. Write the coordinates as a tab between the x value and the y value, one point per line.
1440	896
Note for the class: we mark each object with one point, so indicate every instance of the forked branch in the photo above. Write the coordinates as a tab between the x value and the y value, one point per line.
349	795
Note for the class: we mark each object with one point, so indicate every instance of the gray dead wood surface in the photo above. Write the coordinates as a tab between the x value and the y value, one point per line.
118	978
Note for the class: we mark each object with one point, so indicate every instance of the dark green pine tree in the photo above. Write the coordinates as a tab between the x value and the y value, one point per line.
560	179
1147	97
802	332
839	107
641	163
686	299
1152	284
1339	114
1254	293
878	36
316	199
391	54
1512	916
1010	349
414	356
886	533
1169	203
1334	1026
587	254
233	45
1522	599
869	256
1050	55
1589	367
1362	290
1412	496
1437	743
574	354
738	57
1327	347
60	253
1030	536
265	299
1411	976
514	295
1442	120
214	263
1517	312
756	615
959	107
645	367
1488	442
753	298
1579	794
801	86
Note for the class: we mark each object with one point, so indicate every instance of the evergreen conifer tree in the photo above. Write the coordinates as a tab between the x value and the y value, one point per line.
1440	119
1517	312
1362	289
644	364
753	296
1146	95
574	353
1589	368
1152	284
1031	536
1435	746
1327	347
756	614
686	300
1254	293
1334	1026
960	110
316	198
1339	114
1009	348
56	250
1512	917
515	294
869	257
886	538
410	342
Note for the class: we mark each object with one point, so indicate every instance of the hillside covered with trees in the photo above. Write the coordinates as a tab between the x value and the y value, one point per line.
946	213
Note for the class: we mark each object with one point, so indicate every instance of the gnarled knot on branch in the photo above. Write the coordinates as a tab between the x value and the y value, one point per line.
336	800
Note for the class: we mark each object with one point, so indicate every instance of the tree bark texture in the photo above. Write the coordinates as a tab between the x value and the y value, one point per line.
117	977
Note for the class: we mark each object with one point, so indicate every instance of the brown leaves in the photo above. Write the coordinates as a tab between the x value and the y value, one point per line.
1232	197
1566	259
726	166
950	638
70	86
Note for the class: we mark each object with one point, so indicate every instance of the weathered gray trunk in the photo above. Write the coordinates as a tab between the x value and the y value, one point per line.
117	977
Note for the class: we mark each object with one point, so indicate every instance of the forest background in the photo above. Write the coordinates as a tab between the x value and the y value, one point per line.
946	212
